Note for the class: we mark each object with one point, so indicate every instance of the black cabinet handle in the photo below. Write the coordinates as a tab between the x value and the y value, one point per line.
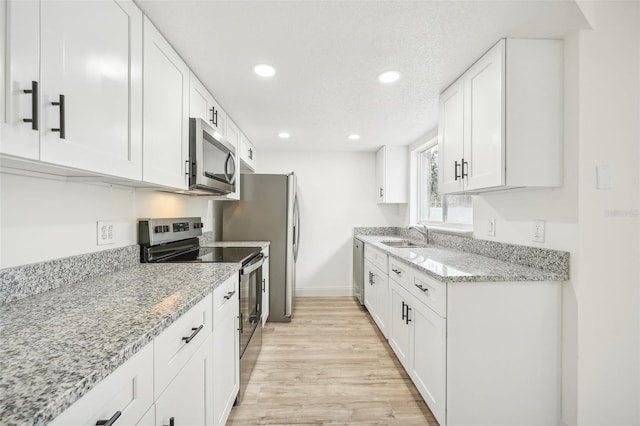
381	192
250	154
408	320
34	106
264	284
229	295
404	305
464	175
421	287
109	422
214	117
60	129
195	331
240	327
172	421
397	271
455	171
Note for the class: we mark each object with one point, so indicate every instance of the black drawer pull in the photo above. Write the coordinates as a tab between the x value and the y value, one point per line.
421	287
34	106
397	271
109	422
172	421
62	128
195	331
229	295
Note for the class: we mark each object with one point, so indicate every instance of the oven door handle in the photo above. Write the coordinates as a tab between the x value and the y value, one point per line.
252	267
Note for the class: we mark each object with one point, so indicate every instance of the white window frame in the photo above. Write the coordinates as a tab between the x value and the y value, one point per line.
416	170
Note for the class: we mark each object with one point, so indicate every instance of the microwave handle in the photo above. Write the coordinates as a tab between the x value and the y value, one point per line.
230	163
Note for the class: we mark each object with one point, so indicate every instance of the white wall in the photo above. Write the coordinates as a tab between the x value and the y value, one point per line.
336	193
600	303
43	219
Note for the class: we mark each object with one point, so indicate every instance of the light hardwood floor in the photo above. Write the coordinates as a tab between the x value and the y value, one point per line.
330	365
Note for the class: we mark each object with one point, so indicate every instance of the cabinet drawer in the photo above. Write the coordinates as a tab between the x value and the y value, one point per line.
431	292
223	300
375	256
128	390
400	272
173	350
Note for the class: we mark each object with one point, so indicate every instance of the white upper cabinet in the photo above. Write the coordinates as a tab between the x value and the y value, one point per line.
392	174
247	155
166	112
203	105
88	111
21	49
501	121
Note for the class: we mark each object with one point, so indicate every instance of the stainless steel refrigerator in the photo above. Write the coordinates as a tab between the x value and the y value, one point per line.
268	211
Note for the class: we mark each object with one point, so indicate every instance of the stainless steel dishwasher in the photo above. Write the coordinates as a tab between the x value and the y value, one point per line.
358	270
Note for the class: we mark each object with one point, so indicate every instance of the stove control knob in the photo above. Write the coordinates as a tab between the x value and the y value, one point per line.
165	228
201	225
157	229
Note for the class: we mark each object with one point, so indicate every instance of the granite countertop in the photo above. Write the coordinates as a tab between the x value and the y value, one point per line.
262	244
450	265
57	345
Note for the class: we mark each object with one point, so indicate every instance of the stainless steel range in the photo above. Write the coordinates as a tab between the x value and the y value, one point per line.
176	240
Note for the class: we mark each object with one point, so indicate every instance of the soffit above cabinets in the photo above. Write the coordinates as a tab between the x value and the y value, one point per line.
327	55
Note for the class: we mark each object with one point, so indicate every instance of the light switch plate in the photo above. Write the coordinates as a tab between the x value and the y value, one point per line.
538	231
491	229
604	179
106	232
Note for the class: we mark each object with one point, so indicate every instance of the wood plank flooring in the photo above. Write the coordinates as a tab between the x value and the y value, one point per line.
330	365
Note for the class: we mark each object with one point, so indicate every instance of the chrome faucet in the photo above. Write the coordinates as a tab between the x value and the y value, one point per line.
421	229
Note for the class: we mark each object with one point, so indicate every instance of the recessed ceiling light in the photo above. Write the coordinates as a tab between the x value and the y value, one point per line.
284	135
388	76
353	137
264	70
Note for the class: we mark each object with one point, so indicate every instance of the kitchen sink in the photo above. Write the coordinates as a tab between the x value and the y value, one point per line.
401	244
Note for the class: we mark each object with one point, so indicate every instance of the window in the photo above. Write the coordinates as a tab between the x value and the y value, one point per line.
456	210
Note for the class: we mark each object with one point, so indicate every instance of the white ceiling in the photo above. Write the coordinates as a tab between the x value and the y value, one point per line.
328	53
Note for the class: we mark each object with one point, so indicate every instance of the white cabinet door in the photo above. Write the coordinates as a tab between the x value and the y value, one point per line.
226	346
265	287
380	174
484	135
21	49
189	397
369	289
399	329
428	353
166	112
247	155
450	138
91	101
203	105
381	313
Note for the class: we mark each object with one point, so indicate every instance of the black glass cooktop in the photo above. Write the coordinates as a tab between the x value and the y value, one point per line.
216	254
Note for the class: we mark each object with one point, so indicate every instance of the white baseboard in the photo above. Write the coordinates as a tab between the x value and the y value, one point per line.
324	291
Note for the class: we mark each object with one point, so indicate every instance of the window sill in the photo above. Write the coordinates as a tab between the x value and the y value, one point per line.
461	230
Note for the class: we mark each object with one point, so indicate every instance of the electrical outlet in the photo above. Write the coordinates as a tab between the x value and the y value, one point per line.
106	232
491	229
538	231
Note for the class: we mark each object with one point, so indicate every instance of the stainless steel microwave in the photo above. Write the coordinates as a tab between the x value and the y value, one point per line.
212	161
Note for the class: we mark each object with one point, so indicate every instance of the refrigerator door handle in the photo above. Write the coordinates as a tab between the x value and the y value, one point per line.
296	228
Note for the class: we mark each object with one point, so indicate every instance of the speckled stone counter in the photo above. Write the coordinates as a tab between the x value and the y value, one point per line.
450	265
57	345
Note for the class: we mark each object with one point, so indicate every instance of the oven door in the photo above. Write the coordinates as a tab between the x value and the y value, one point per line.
250	301
212	159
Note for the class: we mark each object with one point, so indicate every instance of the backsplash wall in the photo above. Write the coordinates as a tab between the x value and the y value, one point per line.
44	219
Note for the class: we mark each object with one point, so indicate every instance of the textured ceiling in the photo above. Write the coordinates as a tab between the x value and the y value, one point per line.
328	53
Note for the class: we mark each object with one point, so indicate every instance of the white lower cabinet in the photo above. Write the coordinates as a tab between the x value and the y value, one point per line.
479	353
125	395
187	400
376	295
226	346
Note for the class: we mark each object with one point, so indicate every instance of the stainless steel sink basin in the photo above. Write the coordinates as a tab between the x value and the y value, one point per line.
401	244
